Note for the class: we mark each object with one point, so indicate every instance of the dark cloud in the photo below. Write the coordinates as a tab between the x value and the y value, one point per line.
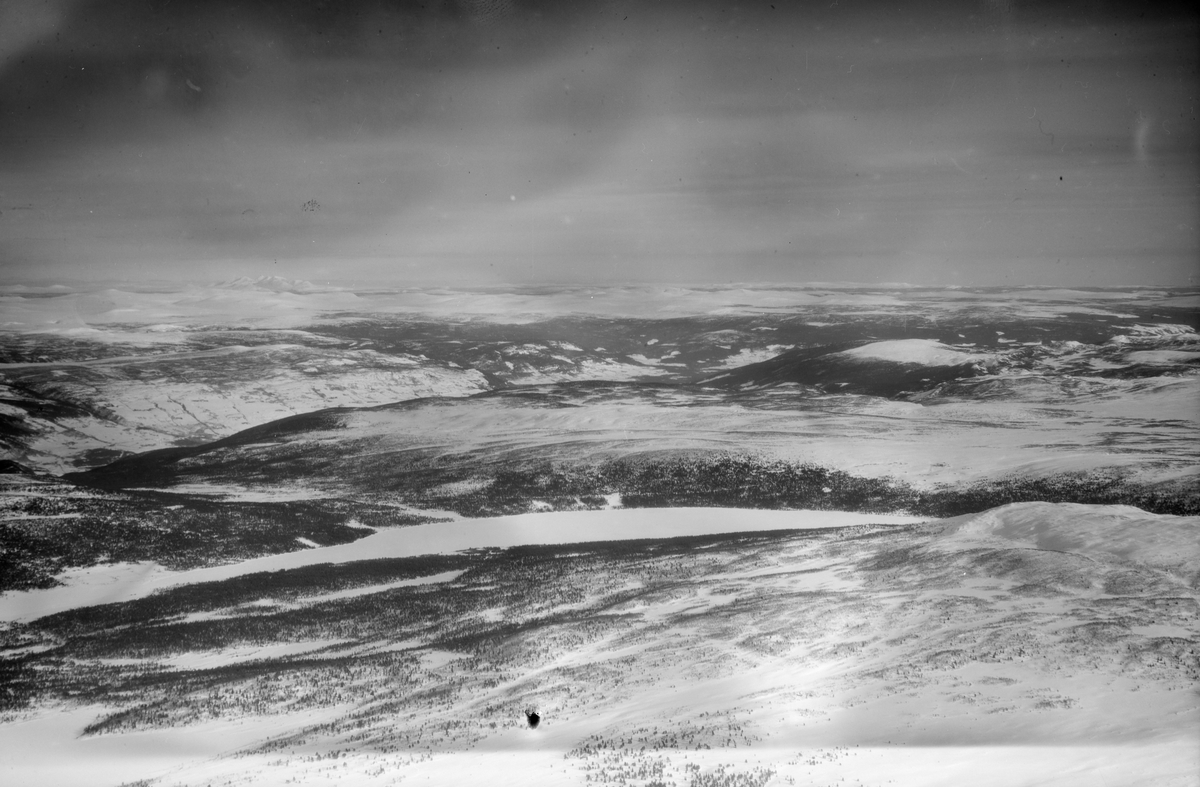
602	139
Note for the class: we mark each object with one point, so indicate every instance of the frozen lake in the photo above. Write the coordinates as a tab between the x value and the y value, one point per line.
108	584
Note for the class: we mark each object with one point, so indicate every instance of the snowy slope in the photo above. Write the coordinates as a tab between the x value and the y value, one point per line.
873	655
1102	532
140	404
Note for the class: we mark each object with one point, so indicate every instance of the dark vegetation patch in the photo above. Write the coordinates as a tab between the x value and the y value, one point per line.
1036	566
280	586
11	467
1173	654
824	368
20	682
36	406
480	344
1100	488
162	467
899	557
47	528
747	481
44	348
171	699
183	531
81	650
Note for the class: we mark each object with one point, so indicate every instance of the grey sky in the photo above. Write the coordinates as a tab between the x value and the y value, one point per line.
493	142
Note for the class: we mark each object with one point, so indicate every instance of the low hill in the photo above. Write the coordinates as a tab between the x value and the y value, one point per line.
885	368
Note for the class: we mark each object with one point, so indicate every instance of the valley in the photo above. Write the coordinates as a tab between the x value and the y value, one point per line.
269	532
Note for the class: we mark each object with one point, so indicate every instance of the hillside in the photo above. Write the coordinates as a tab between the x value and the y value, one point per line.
872	653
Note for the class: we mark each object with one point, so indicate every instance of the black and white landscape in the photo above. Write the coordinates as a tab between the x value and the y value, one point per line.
599	392
713	536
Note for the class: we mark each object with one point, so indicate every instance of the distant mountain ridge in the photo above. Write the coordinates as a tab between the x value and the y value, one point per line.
272	284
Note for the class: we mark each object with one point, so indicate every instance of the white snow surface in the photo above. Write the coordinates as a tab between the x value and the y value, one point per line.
922	352
1163	357
1163	329
747	356
1098	531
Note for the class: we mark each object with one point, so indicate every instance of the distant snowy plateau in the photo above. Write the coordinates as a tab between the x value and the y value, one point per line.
269	531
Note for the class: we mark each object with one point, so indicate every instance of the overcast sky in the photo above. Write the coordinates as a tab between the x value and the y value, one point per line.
490	142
